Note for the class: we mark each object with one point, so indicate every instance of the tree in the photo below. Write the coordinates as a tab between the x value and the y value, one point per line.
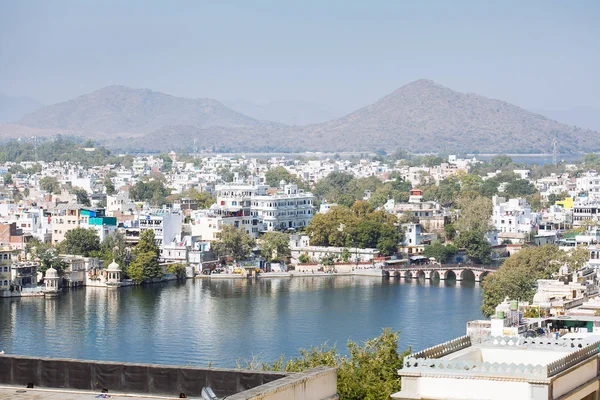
368	372
204	199
144	267
8	179
110	186
82	196
304	258
234	242
440	252
518	275
80	241
113	247
475	215
520	188
178	270
476	245
50	184
449	231
275	246
153	191
275	175
358	226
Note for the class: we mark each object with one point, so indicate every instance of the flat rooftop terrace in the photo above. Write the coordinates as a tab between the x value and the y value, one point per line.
18	393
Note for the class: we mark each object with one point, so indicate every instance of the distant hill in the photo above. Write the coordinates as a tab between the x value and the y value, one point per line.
421	116
119	109
288	112
14	108
425	116
584	117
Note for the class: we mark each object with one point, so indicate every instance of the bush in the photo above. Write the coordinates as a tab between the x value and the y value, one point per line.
370	372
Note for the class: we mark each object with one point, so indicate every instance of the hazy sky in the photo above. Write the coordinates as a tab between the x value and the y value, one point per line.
537	54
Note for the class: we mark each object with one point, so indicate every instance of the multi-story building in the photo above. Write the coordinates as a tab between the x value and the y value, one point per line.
253	208
6	257
70	216
119	204
584	213
165	223
289	208
589	184
513	216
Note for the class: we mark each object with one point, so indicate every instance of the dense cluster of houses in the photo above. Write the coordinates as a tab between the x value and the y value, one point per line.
184	230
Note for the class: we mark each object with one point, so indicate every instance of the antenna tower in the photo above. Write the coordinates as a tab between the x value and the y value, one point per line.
554	152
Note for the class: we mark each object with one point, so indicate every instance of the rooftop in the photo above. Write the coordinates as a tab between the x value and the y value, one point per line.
500	356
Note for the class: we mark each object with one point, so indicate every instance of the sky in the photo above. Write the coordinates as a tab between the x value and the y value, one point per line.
341	54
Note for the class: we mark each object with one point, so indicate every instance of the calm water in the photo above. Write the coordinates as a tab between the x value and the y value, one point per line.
221	321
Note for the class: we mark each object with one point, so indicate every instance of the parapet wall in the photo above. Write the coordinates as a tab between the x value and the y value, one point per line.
128	377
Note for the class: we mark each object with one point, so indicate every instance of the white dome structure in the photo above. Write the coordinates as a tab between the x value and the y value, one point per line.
51	273
113	273
113	267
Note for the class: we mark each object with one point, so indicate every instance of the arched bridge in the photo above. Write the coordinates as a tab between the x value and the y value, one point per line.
443	271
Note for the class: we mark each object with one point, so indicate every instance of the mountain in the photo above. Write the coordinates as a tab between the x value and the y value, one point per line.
14	108
288	112
425	116
584	117
421	116
123	110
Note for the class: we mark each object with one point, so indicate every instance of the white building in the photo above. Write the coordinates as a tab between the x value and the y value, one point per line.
289	208
503	368
513	218
119	204
165	223
252	208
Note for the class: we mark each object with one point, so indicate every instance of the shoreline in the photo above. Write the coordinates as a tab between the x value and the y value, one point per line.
377	273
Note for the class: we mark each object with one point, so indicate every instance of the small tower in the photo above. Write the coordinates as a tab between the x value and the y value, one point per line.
113	278
51	282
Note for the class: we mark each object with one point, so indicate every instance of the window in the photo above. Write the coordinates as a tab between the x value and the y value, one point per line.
5	283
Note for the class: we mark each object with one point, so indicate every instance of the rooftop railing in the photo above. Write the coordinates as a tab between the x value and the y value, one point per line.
429	360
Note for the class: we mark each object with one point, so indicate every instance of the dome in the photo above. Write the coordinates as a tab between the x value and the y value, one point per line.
113	266
51	273
541	298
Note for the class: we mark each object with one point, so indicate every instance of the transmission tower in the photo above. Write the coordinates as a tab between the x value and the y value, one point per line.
554	152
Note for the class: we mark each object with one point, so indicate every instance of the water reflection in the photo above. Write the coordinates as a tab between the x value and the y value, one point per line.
220	321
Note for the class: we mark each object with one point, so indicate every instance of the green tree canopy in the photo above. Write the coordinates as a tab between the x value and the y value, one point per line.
357	226
368	372
441	253
275	175
81	195
153	191
145	267
234	242
518	275
275	246
80	241
50	184
204	199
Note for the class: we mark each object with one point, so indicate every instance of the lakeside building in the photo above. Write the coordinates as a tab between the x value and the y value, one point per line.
255	209
299	245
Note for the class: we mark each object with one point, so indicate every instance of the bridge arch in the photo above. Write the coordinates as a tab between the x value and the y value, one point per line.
467	274
447	274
